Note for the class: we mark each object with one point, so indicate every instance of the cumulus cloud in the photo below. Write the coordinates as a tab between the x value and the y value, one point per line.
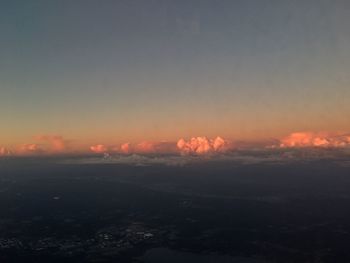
56	142
4	151
202	145
312	139
99	148
125	148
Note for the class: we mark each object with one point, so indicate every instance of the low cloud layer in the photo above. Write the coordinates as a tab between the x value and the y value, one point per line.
202	145
145	147
133	159
312	139
272	156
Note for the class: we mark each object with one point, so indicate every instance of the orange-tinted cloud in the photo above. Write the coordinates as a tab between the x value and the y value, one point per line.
202	145
29	149
312	139
99	148
145	147
4	151
57	143
125	148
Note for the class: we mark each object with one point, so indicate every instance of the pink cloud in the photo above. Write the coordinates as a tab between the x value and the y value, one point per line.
4	151
56	142
155	147
29	149
145	147
202	145
125	148
312	139
99	148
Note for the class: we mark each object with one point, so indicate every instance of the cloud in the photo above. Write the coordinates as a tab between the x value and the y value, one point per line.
56	142
99	148
29	149
4	151
145	147
202	145
218	143
49	144
155	147
125	148
312	139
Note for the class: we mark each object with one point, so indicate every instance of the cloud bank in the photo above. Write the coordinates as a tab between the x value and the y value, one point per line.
312	139
195	146
144	147
41	145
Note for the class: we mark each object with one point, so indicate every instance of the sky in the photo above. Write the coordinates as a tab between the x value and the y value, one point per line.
109	72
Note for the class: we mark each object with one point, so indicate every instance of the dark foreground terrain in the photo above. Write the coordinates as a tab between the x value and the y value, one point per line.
200	212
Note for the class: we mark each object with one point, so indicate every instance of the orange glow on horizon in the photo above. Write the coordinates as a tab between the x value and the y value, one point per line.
54	144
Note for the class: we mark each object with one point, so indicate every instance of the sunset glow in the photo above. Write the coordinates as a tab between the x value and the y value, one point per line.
123	78
201	145
177	131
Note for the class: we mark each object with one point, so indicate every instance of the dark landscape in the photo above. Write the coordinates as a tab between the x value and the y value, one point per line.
201	212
